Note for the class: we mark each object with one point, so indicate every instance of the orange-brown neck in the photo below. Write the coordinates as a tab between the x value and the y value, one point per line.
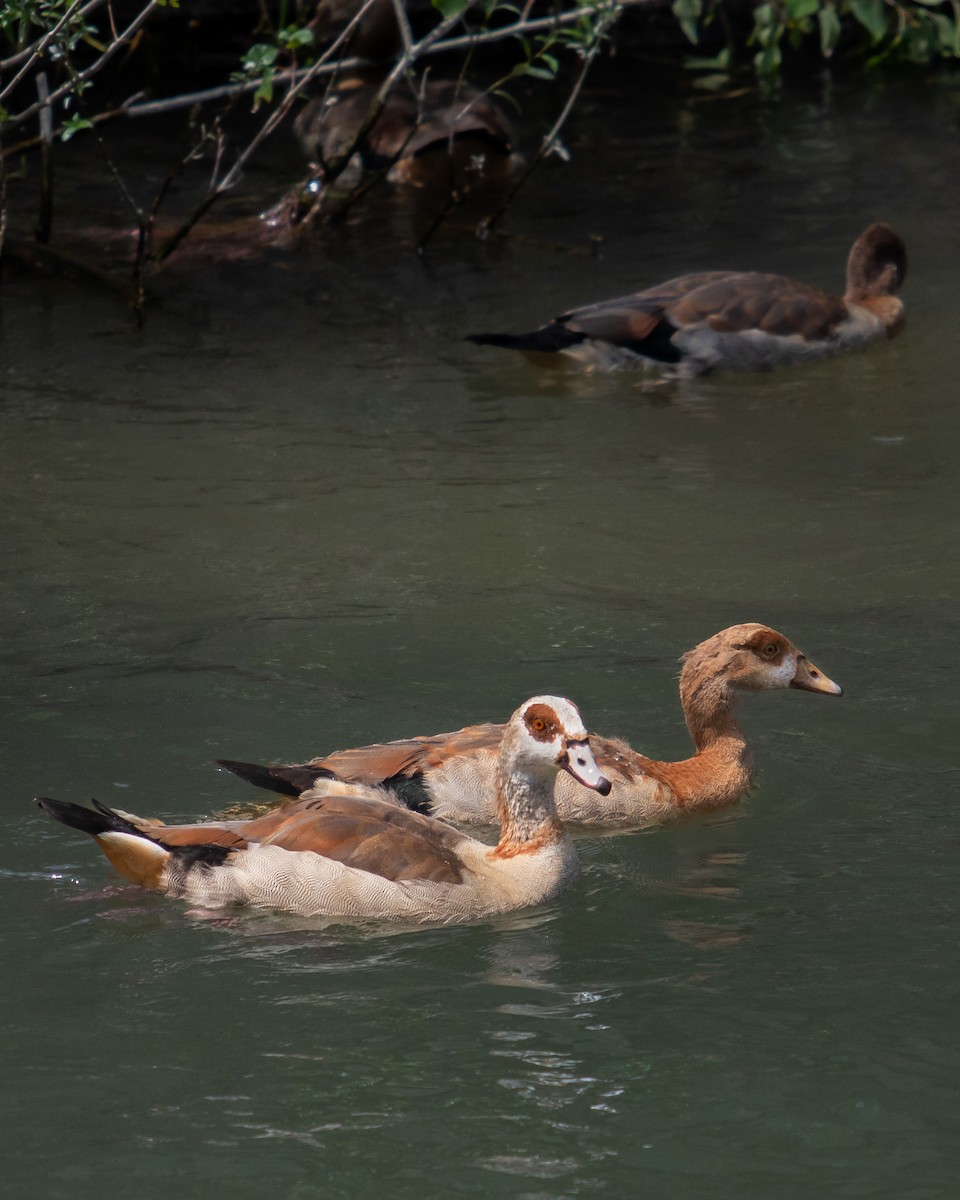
887	309
709	707
714	776
722	768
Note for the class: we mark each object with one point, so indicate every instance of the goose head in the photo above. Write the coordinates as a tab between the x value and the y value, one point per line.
750	658
877	263
546	735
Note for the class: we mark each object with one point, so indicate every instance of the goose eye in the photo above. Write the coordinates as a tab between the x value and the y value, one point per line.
771	650
539	724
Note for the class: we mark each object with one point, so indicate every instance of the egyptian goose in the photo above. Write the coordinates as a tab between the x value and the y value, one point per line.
456	771
421	136
426	130
728	319
334	854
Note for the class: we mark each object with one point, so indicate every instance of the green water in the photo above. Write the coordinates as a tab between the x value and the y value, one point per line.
298	512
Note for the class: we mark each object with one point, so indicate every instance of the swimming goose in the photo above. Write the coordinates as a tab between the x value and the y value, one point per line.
432	130
456	771
334	854
728	319
421	135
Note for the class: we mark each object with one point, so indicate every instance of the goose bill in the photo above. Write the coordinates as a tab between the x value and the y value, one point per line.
577	759
811	679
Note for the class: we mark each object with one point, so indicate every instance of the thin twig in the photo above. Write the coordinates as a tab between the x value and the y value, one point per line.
19	118
520	28
297	86
35	49
605	23
400	12
45	220
33	142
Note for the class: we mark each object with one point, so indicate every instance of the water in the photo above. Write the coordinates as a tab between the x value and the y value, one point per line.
298	512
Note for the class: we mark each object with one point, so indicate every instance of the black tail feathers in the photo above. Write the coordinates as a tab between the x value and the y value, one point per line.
94	821
288	781
551	339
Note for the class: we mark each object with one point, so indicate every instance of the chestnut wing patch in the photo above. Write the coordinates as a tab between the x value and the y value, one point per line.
405	759
771	304
369	835
644	321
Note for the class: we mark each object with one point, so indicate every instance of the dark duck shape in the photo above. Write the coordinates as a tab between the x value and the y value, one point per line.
425	130
737	320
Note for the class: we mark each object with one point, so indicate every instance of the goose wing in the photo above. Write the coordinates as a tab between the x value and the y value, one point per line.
728	301
367	834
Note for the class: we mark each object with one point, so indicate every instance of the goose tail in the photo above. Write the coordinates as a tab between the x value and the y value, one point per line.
131	851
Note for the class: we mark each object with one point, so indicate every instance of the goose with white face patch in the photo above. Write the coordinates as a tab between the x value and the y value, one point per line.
453	773
335	853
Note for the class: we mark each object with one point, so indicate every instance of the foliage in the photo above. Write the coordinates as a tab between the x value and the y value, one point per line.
881	31
54	53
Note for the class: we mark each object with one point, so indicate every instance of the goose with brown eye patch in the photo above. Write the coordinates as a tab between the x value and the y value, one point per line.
347	850
452	774
735	320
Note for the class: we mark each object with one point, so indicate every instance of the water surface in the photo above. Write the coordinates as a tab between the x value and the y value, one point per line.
298	512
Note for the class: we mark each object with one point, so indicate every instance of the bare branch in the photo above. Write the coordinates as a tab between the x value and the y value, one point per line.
89	72
400	12
35	49
520	28
45	220
607	20
32	143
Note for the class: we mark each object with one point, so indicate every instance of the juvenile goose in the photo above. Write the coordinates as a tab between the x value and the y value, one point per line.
333	854
728	319
456	771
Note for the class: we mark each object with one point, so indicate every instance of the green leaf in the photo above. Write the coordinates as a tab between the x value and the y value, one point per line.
540	72
451	8
73	125
872	15
505	95
264	93
292	38
259	57
688	13
719	62
712	83
765	22
829	30
768	60
800	10
948	34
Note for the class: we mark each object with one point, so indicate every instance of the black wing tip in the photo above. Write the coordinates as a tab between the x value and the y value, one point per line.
94	821
288	781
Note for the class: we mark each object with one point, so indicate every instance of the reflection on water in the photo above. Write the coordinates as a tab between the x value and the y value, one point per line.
297	512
